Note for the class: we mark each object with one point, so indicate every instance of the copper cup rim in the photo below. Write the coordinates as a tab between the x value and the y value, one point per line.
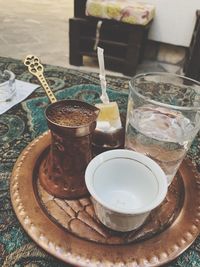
92	107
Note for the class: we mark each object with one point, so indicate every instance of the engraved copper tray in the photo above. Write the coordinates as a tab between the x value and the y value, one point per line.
70	231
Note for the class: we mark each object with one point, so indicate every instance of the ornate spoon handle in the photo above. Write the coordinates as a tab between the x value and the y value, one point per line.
36	68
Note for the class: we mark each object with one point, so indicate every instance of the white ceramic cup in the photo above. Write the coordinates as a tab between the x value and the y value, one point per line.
125	187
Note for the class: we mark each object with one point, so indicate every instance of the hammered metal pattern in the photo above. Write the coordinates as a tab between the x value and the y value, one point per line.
154	251
78	216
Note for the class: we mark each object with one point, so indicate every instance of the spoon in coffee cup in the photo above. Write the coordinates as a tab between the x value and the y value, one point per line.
36	68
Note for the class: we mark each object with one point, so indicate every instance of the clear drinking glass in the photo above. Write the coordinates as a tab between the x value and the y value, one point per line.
163	118
7	85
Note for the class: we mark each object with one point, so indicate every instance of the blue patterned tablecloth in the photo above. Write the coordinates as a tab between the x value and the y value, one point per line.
25	121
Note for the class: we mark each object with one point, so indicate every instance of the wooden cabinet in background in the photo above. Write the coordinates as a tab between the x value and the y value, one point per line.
123	43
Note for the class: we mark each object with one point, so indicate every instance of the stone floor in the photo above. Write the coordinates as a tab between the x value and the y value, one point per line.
35	27
41	28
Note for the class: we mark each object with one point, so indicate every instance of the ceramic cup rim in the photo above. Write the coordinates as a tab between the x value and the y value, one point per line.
127	154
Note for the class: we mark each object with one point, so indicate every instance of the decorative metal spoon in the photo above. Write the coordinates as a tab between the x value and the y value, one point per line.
36	68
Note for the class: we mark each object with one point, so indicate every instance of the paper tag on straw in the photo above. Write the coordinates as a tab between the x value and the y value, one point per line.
104	97
99	24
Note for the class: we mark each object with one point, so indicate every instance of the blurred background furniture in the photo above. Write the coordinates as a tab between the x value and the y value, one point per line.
192	59
123	43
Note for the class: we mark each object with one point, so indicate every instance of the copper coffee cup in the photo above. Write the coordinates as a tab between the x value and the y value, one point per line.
71	123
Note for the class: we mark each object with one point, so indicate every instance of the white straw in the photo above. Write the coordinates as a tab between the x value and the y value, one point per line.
104	97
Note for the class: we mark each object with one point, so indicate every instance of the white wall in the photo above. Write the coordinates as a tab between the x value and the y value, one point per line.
174	21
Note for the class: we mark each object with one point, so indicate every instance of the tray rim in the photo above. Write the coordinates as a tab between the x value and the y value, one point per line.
74	250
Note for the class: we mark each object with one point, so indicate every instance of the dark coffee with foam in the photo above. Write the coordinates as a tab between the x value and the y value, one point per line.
72	115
